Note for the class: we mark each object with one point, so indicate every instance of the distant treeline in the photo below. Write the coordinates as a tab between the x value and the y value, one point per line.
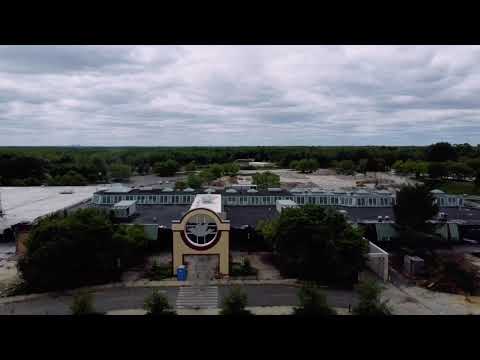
81	165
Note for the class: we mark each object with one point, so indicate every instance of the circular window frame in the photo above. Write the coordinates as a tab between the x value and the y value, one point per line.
194	245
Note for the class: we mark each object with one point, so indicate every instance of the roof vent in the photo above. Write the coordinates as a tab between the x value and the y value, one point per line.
231	191
252	191
167	189
379	218
188	189
210	190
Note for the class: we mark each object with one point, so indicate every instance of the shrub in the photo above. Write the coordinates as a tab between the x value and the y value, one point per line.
370	303
159	272
82	304
243	269
312	303
235	303
157	304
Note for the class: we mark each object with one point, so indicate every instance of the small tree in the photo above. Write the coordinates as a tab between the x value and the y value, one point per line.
370	303
82	304
157	304
235	303
312	303
190	166
194	181
180	185
166	168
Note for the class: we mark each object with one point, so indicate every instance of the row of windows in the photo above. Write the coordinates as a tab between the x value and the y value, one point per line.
450	201
247	200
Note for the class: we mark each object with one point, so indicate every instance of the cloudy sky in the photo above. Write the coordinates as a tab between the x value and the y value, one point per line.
239	95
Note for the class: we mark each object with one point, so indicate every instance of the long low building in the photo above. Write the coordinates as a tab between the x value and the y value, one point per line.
269	197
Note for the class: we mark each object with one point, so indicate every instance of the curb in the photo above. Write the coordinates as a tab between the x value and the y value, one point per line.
256	310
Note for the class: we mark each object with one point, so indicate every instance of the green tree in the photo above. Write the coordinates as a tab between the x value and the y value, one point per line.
459	170
346	167
190	166
120	171
314	243
474	164
312	302
194	181
235	303
82	304
231	169
157	304
362	166
414	207
166	168
441	152
370	303
266	179
180	185
83	248
306	165
216	170
437	170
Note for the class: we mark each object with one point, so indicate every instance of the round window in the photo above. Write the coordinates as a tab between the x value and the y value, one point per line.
201	230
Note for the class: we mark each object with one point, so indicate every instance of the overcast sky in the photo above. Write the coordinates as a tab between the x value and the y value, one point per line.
239	95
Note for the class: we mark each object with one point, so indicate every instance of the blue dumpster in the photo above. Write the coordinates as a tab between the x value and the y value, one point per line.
181	273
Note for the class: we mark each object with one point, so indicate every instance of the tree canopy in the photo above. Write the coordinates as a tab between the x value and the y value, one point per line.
318	244
166	168
80	249
414	206
36	165
266	179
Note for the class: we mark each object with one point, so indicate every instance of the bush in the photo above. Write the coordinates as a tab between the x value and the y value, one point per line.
312	303
82	304
235	303
370	303
243	269
157	304
159	272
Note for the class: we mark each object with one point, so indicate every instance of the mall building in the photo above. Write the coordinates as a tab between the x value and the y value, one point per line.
204	225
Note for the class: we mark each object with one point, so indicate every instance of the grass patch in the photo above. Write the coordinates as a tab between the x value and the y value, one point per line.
458	187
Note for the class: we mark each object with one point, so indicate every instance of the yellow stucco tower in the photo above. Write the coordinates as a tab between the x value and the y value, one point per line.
202	235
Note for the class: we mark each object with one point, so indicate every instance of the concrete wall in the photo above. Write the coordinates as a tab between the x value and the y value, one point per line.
377	261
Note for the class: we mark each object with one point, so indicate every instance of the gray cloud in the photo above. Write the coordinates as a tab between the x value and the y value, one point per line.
239	95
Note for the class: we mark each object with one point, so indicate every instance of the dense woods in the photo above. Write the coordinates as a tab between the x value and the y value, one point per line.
21	166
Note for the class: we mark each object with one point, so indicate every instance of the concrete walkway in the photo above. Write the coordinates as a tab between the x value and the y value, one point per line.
415	300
